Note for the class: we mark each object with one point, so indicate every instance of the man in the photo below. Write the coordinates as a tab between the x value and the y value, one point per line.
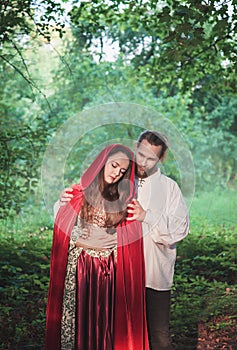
161	209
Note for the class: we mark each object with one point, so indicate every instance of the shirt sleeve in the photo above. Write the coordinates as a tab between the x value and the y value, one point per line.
171	224
56	208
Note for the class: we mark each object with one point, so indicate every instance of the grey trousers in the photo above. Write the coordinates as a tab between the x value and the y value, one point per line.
158	318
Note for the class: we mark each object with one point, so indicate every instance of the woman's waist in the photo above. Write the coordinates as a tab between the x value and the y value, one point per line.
93	237
94	251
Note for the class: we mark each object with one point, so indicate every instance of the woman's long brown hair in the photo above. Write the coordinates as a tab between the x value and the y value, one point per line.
111	198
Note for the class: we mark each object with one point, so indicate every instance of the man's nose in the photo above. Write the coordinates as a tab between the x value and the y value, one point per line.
143	162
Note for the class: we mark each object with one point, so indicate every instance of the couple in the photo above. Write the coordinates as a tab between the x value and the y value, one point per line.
113	253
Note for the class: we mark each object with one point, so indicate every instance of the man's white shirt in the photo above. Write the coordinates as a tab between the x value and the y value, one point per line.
166	223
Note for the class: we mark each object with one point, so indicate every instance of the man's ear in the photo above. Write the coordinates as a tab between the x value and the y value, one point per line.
165	155
136	145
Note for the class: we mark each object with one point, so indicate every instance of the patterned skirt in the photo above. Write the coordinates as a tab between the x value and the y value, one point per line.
89	299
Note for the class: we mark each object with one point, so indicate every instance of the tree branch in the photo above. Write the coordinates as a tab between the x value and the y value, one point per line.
206	48
28	80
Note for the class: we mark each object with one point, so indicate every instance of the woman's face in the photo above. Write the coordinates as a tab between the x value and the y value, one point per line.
115	167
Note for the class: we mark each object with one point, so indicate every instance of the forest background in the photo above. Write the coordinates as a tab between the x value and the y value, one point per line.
60	59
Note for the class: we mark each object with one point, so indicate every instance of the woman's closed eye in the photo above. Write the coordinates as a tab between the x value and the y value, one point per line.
122	170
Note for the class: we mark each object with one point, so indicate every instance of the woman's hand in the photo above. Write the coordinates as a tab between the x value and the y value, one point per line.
136	210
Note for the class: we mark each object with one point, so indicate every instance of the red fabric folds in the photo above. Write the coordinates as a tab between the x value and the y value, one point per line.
95	298
130	316
130	331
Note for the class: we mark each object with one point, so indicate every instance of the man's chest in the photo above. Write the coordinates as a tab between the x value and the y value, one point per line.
153	195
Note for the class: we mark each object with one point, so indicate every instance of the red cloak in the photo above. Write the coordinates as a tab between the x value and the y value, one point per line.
130	332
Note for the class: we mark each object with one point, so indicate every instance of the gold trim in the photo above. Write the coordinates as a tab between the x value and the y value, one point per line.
98	253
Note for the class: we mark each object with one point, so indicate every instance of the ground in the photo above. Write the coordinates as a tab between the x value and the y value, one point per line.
222	334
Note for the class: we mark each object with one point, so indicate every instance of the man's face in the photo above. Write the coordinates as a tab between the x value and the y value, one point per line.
147	157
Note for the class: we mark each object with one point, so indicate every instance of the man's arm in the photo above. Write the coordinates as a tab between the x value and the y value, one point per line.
65	197
168	226
171	225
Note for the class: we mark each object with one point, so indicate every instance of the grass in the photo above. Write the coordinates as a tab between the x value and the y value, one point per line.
204	295
217	207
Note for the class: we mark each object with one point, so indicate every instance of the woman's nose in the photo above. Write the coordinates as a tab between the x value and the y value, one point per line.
117	172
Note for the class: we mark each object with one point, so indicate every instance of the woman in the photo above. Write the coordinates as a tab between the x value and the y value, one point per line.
97	283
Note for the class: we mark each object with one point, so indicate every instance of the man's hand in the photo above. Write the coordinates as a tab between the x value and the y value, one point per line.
65	197
135	208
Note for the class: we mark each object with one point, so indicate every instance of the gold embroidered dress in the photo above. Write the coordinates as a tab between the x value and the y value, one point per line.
94	242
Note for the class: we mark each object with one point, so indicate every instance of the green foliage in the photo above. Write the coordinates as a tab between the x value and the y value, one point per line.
20	18
209	127
215	150
83	79
12	19
25	127
206	271
19	168
21	151
196	302
216	207
21	22
24	283
175	46
210	253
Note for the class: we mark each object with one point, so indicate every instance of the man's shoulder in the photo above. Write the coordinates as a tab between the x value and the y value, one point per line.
161	180
167	179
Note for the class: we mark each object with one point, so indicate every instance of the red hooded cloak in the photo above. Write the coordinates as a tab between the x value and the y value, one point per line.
130	329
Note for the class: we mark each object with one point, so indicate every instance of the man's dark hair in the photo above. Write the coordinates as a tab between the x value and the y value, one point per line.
156	139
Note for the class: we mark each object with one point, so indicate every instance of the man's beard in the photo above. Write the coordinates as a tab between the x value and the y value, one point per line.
144	174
